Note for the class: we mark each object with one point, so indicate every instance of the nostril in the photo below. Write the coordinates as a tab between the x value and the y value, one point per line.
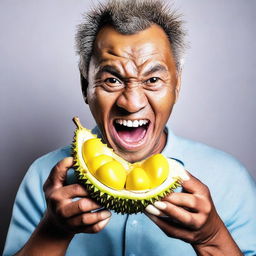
122	111
132	100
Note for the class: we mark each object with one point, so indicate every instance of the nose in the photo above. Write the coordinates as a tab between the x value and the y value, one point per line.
132	99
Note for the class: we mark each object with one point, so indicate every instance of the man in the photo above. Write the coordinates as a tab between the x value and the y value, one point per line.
130	62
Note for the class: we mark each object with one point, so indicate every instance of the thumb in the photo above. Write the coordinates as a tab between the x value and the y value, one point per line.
58	174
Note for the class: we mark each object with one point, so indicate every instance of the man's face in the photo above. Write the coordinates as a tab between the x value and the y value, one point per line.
133	85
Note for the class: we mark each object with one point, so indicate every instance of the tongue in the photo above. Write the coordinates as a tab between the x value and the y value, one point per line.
132	135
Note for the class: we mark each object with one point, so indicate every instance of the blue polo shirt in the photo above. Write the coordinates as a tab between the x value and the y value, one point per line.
233	191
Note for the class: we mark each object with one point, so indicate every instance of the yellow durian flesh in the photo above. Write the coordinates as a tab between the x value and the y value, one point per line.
157	169
92	148
143	176
113	195
112	174
137	179
94	163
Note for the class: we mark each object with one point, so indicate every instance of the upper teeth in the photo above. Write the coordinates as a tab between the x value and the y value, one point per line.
131	123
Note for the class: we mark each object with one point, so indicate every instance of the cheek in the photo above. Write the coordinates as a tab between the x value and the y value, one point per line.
162	103
100	103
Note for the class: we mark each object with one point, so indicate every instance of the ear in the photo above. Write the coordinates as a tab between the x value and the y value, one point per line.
178	85
84	86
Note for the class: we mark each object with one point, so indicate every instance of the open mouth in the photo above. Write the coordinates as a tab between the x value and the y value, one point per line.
131	133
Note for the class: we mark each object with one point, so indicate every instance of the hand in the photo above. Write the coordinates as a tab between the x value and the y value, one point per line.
192	217
63	217
71	217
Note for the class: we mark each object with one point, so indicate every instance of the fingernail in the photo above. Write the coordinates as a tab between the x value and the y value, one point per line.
184	176
105	214
153	210
103	222
160	205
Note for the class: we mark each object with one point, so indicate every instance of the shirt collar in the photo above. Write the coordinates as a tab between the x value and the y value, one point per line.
172	147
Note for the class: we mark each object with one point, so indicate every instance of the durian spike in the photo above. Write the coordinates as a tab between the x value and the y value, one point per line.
77	122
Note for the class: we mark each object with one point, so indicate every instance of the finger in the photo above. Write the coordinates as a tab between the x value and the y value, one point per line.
88	219
151	209
172	230
58	173
183	200
178	214
78	207
96	227
192	185
71	191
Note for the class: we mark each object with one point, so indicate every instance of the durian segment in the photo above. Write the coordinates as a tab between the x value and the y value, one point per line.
92	148
137	179
157	168
94	163
112	174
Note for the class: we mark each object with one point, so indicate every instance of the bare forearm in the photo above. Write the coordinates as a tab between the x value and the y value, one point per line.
221	244
46	241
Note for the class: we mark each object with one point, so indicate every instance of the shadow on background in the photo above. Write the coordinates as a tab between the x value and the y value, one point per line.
25	146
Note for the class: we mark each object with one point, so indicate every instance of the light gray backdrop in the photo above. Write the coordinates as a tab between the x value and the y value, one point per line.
40	90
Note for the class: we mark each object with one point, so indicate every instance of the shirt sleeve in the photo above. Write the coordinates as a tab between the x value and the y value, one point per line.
241	222
28	209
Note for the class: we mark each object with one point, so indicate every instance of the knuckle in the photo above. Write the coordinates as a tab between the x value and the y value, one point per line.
199	223
82	205
207	207
76	188
84	219
188	219
96	228
90	204
194	203
60	212
54	197
206	191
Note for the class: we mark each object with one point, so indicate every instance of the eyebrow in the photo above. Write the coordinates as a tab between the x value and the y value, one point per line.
153	69
115	72
110	69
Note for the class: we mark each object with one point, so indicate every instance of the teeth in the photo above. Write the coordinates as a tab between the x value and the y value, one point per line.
135	123
129	123
132	123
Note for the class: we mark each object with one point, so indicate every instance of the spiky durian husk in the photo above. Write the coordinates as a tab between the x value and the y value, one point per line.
118	203
122	205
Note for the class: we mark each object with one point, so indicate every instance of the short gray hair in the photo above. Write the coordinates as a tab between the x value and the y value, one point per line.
129	17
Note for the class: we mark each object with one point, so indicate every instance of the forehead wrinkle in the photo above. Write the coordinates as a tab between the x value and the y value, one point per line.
130	68
125	62
131	60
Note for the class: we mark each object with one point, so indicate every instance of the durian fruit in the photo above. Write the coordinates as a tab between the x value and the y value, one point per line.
117	184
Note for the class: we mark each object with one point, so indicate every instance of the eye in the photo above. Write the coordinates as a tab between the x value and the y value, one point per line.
154	83
112	80
153	80
112	84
